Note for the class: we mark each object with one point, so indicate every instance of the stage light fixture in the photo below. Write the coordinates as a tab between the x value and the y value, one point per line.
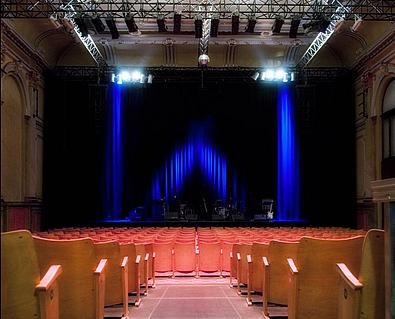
112	27
161	24
198	27
131	24
131	76
79	21
251	24
177	23
235	23
98	24
277	75
255	76
324	24
293	30
214	27
277	24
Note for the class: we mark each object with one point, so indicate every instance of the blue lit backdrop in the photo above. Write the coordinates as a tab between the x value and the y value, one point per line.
288	196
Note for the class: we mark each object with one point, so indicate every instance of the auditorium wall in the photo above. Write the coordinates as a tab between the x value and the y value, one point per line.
22	101
374	73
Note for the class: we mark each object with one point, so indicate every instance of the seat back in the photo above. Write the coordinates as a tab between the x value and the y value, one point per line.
244	250
113	287
184	257
76	285
318	282
371	275
19	276
258	251
163	255
209	256
278	252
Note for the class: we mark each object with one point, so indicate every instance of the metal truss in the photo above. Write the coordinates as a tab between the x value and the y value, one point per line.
377	10
203	42
322	37
87	41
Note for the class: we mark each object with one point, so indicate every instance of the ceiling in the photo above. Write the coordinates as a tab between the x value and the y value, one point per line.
58	44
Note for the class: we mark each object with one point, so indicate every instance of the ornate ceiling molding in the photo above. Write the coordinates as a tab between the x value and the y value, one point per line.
12	35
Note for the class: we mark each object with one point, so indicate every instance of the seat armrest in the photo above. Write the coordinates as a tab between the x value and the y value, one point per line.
146	257
238	256
138	258
265	262
292	266
49	278
125	261
249	259
101	266
348	277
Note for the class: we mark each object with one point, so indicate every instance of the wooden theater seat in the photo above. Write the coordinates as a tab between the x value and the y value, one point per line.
313	279
116	286
146	251
24	293
255	273
185	257
242	265
134	270
164	256
209	257
82	285
363	296
275	272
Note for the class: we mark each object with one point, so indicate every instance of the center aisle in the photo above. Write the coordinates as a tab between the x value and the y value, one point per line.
188	297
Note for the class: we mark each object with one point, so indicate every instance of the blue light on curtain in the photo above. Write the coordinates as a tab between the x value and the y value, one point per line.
287	159
178	167
114	156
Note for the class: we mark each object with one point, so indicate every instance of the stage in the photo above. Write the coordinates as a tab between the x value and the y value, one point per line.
201	223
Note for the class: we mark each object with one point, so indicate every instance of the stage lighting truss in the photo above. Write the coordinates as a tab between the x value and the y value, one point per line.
131	76
377	10
274	75
86	40
340	14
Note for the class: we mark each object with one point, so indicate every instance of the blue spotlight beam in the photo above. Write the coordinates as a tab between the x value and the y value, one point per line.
114	157
288	193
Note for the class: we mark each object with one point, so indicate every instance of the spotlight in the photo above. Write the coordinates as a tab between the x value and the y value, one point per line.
136	76
277	25
324	24
277	75
198	27
131	76
214	27
131	24
79	21
293	30
235	23
251	24
177	23
150	78
98	24
112	27
255	76
161	24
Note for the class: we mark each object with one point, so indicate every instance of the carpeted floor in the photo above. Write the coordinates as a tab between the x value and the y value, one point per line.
188	297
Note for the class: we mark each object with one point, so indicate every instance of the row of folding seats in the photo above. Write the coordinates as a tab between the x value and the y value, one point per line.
315	277
79	277
186	250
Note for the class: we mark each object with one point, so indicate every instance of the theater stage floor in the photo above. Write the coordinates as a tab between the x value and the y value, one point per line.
188	297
